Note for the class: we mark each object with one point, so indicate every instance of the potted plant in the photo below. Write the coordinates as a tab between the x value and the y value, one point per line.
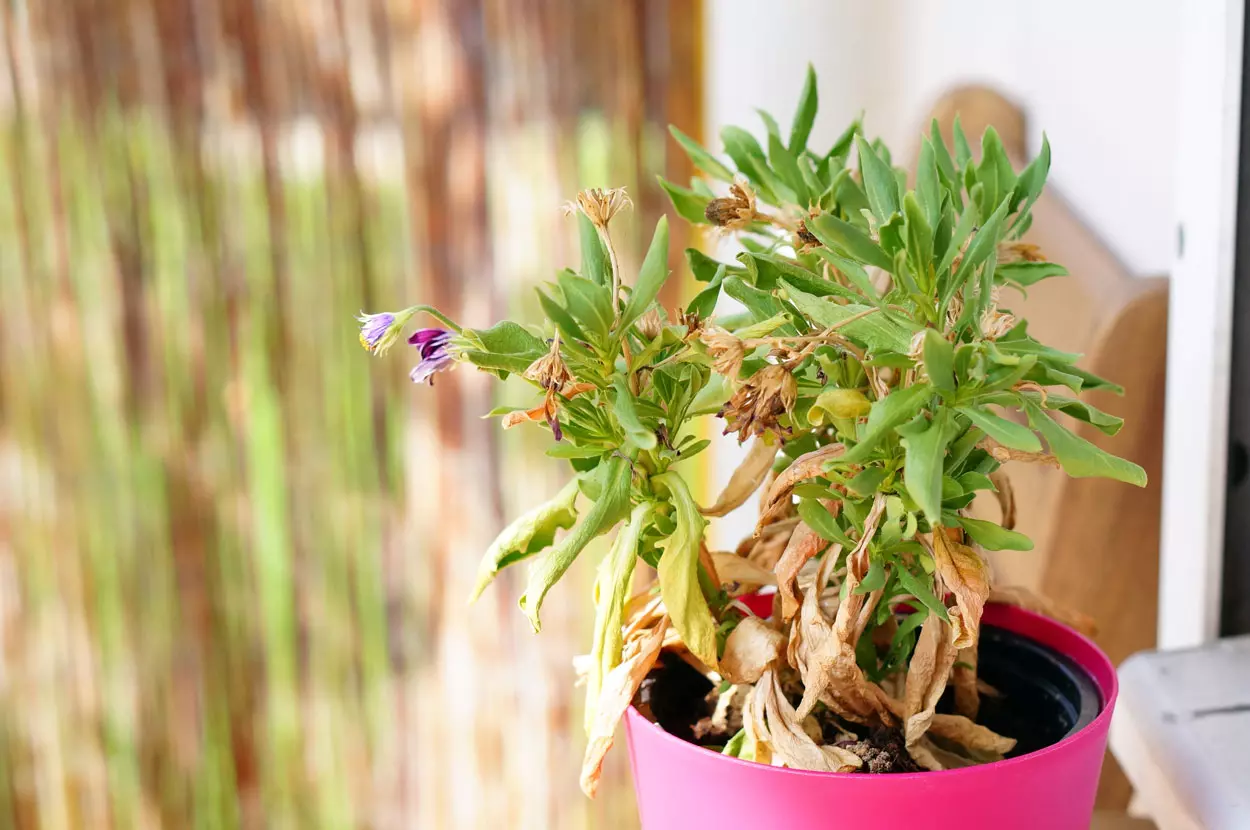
882	382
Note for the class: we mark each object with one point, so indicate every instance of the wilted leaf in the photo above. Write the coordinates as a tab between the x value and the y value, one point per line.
607	510
972	736
745	480
539	413
751	648
679	573
619	688
528	534
803	545
927	674
964	682
612	587
780	727
1006	496
1024	598
967	576
806	466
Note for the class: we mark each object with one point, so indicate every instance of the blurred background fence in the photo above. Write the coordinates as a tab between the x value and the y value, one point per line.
235	551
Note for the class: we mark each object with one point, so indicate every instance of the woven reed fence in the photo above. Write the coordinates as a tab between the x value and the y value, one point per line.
234	549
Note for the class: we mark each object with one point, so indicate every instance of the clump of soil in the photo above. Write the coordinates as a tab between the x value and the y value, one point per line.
883	751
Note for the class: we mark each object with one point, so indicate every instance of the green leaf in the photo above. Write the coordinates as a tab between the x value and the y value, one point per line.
1008	433
842	145
607	510
701	158
1029	186
843	236
919	239
922	590
878	332
679	573
504	347
939	361
963	153
734	748
704	303
822	523
995	537
651	277
879	181
567	450
636	432
529	533
594	257
613	586
688	204
762	304
745	151
963	229
928	191
983	246
589	303
874	580
1025	274
887	413
805	115
784	162
925	442
1080	458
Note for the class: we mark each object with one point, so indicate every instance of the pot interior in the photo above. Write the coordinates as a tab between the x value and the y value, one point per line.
1042	697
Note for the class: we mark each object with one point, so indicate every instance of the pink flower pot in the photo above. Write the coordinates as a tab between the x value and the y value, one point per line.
682	786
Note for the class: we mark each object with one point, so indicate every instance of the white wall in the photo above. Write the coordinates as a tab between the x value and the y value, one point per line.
1099	76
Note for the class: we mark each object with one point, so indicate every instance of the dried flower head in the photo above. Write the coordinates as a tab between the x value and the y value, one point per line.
995	323
549	371
735	211
1019	252
650	325
727	352
807	240
599	205
693	321
756	407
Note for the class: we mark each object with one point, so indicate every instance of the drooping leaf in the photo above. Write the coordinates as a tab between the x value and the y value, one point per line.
967	577
1104	422
1025	274
679	573
613	583
1080	458
608	508
745	480
528	534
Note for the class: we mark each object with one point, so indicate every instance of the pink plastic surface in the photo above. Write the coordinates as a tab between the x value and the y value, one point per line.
681	786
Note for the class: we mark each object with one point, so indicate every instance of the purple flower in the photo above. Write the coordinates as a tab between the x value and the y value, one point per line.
435	356
379	331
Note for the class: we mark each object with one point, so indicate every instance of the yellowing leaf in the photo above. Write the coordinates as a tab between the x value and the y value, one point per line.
967	576
619	688
679	573
528	534
612	589
806	466
745	480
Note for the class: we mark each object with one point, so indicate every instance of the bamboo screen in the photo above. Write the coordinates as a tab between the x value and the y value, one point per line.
235	550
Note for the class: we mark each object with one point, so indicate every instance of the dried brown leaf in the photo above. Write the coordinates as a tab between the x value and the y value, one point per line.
926	678
745	480
967	576
964	681
803	545
804	467
791	745
740	571
541	412
1024	598
751	648
1006	497
972	736
619	687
